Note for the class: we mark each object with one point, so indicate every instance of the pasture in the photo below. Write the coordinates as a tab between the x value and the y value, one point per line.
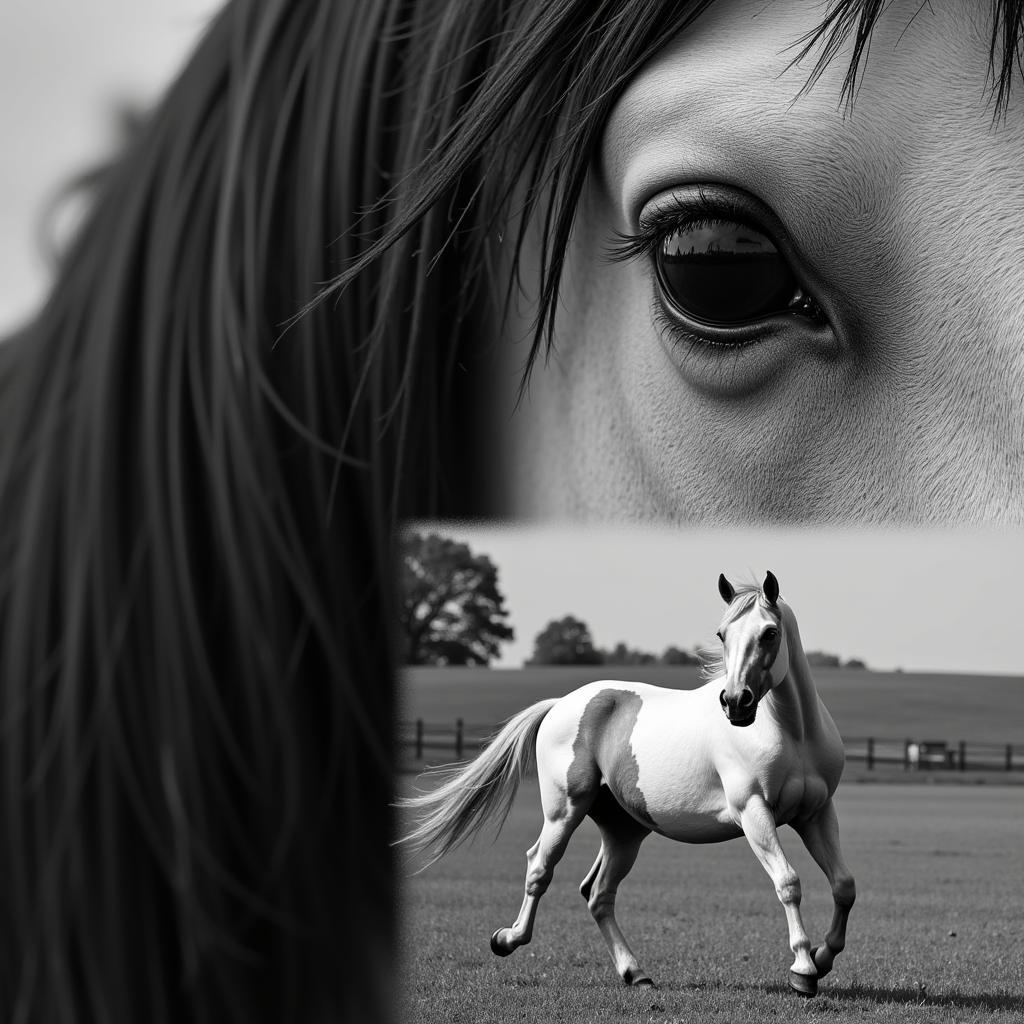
935	936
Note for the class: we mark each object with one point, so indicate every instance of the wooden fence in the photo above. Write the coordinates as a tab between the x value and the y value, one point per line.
935	755
434	742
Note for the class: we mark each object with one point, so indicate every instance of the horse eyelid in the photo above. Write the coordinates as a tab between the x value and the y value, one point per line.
689	339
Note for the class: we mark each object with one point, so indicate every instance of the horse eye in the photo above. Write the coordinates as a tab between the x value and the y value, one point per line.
769	636
726	274
720	637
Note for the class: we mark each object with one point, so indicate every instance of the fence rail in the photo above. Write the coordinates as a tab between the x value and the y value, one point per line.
425	740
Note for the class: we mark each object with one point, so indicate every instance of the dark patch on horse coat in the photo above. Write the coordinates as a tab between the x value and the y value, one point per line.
602	752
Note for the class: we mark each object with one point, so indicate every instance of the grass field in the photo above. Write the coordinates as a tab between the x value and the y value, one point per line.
982	709
935	936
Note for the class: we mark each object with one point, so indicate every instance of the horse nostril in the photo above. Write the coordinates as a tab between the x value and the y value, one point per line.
722	700
746	698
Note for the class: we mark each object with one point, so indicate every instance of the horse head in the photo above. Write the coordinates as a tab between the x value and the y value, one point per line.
755	656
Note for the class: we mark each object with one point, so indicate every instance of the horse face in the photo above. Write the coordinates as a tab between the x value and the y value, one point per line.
893	393
754	650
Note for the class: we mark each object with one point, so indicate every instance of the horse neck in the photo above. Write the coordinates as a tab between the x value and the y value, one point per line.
795	700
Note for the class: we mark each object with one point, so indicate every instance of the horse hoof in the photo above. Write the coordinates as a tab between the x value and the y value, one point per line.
496	948
803	984
636	978
822	971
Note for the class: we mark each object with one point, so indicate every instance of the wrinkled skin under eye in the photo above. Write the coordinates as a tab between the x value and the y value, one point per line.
724	273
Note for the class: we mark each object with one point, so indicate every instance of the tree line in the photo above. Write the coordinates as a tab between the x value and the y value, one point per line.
567	641
453	613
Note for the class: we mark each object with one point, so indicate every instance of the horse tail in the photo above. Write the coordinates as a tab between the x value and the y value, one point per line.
477	790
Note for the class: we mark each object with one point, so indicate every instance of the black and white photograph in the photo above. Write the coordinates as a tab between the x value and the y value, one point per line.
610	693
460	458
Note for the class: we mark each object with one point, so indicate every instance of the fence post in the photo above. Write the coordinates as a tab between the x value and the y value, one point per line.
419	739
906	754
962	755
871	752
1009	757
458	739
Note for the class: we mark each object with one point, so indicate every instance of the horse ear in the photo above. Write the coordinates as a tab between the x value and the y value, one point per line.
771	587
725	589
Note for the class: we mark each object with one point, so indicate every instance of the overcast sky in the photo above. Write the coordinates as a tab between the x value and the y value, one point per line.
63	65
914	600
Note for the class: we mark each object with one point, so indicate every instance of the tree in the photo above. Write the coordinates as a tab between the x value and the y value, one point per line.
565	641
677	656
822	659
452	610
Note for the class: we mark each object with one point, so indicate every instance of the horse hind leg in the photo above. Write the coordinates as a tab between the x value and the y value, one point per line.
541	859
621	837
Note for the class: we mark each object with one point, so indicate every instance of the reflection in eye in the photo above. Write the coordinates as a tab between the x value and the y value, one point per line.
724	273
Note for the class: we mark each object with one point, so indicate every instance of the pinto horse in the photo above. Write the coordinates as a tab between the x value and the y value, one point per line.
752	749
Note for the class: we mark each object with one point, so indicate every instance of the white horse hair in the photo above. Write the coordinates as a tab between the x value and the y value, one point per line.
752	749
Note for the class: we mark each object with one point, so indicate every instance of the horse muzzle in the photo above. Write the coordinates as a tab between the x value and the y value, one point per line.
741	710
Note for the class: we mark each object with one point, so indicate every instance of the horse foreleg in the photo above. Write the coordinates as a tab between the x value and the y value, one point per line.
616	858
758	825
541	859
821	837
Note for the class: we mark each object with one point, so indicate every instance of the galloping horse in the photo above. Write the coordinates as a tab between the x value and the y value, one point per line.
752	749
